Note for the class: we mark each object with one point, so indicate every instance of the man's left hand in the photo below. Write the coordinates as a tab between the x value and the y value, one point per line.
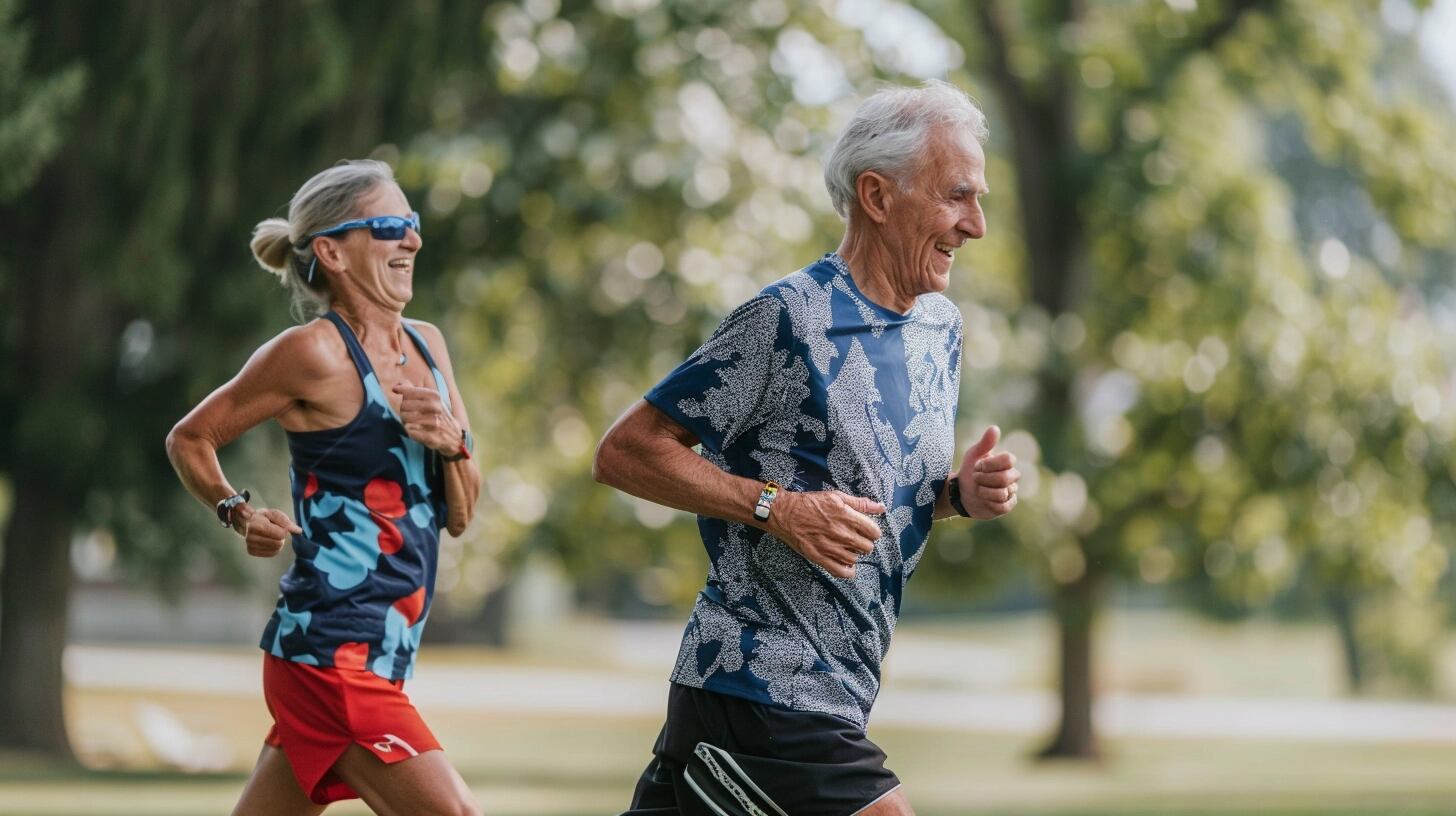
425	418
987	479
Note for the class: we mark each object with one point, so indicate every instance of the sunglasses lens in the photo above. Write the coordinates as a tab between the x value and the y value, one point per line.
392	228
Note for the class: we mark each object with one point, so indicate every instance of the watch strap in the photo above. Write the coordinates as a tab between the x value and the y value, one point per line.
765	500
953	492
467	448
226	507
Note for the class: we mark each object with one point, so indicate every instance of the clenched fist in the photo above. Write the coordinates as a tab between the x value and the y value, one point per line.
265	530
426	419
988	481
827	527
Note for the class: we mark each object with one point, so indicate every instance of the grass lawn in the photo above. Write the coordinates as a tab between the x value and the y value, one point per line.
555	766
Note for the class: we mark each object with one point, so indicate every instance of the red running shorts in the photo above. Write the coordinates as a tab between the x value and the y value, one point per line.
318	713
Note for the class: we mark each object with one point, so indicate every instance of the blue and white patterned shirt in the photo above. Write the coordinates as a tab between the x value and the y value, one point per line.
812	385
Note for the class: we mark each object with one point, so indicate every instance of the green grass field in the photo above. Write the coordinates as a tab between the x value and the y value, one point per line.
532	764
559	768
554	766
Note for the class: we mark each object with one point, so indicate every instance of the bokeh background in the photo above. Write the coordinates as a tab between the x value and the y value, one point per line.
1214	314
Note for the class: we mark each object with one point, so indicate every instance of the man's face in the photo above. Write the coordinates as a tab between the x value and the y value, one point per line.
940	212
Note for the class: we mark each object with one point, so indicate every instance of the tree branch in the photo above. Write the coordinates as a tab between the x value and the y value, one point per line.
1207	40
998	60
1041	117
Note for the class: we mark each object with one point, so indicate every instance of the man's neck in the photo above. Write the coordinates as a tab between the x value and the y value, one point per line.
872	266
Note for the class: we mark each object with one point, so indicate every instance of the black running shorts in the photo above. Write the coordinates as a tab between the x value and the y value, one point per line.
726	756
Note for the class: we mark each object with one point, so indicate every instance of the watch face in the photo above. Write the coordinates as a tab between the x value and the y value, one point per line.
761	512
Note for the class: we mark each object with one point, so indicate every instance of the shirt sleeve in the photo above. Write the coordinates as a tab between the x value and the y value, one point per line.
719	392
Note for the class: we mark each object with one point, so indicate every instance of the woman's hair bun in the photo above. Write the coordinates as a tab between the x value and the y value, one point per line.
273	245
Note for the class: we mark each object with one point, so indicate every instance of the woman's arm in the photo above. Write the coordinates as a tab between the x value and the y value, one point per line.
462	477
266	387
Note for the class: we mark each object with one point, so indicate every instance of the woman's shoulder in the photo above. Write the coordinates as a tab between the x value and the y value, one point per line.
311	349
428	330
433	337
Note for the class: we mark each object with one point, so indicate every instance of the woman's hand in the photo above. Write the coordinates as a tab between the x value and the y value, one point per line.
426	420
265	529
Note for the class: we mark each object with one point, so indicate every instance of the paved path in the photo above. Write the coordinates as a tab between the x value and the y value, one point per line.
902	703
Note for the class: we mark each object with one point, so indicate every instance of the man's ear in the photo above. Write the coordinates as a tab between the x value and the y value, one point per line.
875	193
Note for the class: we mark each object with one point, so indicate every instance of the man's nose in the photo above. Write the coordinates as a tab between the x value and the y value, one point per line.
973	221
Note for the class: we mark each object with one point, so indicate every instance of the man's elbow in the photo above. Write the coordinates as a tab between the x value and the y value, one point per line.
604	463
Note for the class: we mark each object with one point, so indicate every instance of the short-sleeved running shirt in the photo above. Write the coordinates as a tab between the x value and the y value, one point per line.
812	385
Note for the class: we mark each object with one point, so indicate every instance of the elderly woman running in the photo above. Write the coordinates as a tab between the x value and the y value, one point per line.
381	460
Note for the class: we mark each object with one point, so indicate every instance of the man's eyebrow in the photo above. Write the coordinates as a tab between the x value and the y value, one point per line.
965	188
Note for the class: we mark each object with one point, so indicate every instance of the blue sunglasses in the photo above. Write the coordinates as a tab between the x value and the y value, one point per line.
382	227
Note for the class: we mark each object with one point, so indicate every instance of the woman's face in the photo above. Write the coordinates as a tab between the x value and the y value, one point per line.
382	271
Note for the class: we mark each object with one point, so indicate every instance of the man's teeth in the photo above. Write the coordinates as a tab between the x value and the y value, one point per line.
401	264
946	248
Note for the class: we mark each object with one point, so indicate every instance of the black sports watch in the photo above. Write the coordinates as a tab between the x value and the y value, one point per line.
467	447
226	506
954	494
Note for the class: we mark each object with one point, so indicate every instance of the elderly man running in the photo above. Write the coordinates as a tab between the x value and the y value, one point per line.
825	407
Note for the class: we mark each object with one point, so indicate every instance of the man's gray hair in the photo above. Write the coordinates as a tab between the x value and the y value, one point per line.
889	131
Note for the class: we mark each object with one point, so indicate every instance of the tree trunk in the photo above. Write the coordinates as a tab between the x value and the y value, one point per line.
35	588
1342	608
47	460
1076	607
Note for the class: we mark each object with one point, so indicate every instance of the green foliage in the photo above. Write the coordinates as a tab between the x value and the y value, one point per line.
1245	389
195	124
33	110
599	216
1213	383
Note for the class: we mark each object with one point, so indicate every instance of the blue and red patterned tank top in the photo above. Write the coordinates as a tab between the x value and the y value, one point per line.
371	502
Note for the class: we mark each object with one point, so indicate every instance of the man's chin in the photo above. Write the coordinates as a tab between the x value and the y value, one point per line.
940	279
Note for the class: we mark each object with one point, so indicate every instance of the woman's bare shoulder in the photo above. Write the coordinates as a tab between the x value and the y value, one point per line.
312	350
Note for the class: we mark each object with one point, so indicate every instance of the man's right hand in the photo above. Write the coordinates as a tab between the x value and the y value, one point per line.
265	530
827	527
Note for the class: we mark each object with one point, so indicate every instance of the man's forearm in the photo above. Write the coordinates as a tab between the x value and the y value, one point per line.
663	471
649	456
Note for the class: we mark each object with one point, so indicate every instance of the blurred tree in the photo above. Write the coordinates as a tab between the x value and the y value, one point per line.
33	109
33	114
1198	399
621	175
128	262
603	179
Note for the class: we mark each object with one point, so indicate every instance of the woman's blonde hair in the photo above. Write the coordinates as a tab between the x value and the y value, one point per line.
281	246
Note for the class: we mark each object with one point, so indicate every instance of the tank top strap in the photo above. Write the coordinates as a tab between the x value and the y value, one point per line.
424	348
356	351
